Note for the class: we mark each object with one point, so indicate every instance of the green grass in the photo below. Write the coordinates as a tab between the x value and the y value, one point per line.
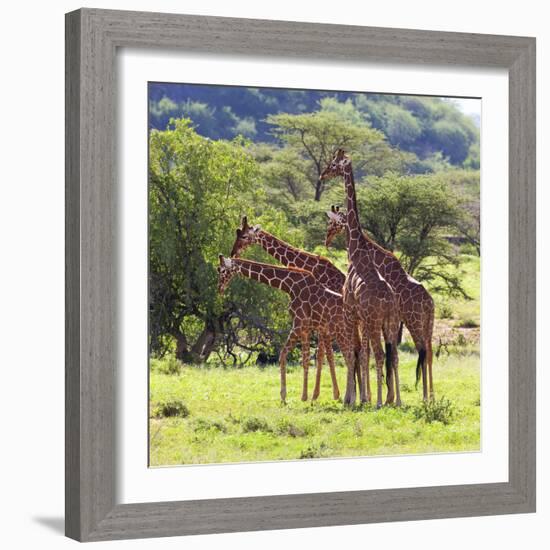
465	313
215	415
234	415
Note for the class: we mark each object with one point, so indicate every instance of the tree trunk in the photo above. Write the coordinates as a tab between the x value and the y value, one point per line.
204	345
183	353
200	351
318	190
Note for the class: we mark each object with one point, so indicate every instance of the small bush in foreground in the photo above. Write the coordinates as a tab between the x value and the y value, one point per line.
441	410
174	407
255	424
204	424
286	427
167	365
445	311
313	451
468	323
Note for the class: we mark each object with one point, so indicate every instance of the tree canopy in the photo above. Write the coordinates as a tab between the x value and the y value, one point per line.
198	190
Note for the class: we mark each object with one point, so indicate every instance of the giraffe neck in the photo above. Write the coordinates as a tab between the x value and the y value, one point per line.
283	252
283	278
354	233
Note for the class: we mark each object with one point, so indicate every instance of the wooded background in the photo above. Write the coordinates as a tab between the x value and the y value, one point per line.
220	152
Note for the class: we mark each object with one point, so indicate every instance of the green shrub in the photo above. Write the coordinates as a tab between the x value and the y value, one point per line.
468	323
204	424
174	407
441	410
468	249
445	310
313	451
255	424
166	365
285	427
407	346
461	340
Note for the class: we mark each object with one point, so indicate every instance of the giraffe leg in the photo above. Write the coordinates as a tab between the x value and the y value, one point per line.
429	359
365	360
395	370
350	356
305	362
359	375
379	356
390	346
390	378
320	357
424	376
350	351
330	357
419	342
290	342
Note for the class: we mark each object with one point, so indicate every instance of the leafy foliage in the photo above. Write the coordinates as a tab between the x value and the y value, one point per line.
440	410
199	188
315	136
422	126
413	215
173	407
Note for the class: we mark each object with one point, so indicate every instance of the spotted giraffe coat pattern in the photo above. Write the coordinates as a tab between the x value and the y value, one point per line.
313	307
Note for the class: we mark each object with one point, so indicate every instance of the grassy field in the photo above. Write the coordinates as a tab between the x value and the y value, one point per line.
213	415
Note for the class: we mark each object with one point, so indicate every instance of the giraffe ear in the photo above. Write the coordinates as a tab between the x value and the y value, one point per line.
226	262
257	227
332	215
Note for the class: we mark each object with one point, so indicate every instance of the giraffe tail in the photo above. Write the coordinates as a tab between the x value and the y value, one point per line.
388	362
420	365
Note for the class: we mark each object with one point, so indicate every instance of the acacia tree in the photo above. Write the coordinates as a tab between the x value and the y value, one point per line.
195	196
198	191
283	169
413	216
315	136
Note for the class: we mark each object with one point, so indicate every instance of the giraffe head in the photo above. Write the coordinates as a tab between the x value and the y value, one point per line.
336	223
337	166
226	271
246	235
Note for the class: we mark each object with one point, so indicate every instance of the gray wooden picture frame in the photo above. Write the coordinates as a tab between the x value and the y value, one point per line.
92	39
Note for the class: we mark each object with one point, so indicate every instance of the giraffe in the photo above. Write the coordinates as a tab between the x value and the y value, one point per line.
324	271
368	298
321	268
416	306
312	307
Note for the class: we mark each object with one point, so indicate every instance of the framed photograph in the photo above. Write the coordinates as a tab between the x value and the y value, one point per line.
250	203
